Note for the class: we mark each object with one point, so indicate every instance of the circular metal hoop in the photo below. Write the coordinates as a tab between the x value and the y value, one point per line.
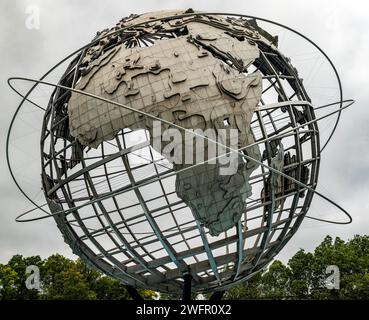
348	104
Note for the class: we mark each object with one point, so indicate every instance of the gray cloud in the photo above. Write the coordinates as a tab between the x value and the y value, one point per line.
338	26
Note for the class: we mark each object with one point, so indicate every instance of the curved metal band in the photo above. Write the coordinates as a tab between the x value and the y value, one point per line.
350	102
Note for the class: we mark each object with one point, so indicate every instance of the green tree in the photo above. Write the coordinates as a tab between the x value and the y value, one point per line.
301	274
352	259
63	278
302	278
109	289
19	264
57	275
8	283
275	282
251	289
305	274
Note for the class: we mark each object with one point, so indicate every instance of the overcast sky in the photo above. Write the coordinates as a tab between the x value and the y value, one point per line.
341	28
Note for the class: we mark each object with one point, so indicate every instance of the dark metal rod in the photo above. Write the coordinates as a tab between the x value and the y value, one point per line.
217	295
187	287
134	293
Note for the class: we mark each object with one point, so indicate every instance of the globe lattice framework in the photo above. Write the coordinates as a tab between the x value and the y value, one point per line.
118	201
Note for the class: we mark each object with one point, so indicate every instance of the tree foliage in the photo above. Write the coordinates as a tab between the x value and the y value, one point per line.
303	277
61	279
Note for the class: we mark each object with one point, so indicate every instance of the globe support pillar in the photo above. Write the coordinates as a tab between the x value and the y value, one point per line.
134	293
187	287
217	295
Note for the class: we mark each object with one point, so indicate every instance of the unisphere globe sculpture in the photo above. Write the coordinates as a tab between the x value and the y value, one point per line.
127	170
149	227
